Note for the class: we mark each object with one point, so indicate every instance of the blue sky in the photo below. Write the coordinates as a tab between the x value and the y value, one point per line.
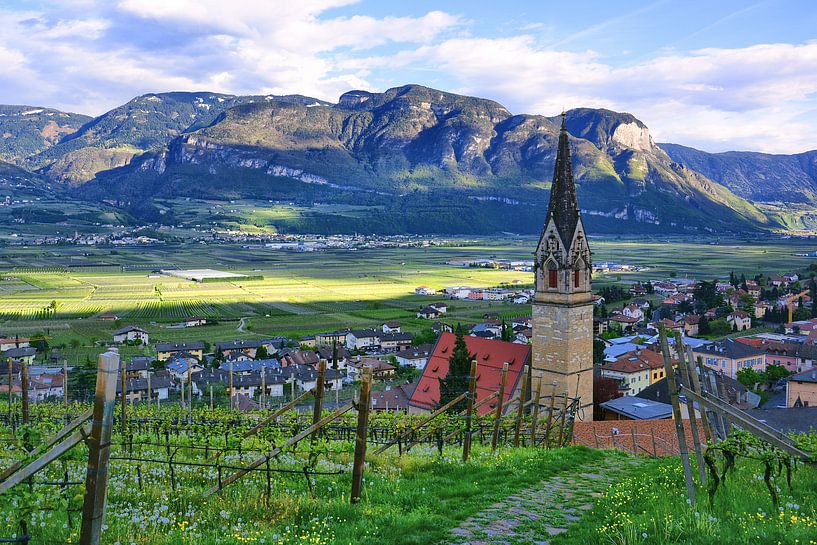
714	75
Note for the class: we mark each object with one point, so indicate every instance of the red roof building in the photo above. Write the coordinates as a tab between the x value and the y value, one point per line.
490	356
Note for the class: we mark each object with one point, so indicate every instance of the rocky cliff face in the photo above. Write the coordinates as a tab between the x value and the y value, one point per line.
413	140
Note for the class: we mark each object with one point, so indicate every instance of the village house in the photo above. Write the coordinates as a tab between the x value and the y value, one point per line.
739	320
182	365
395	342
391	327
130	334
665	288
327	353
45	386
440	327
801	389
761	308
638	290
18	342
440	307
423	290
164	351
784	354
807	353
25	354
753	288
195	321
415	356
475	294
729	356
247	366
490	356
332	337
635	408
380	369
429	313
300	357
138	367
307	379
778	281
635	370
363	339
624	323
246	347
691	323
633	311
392	399
136	389
108	317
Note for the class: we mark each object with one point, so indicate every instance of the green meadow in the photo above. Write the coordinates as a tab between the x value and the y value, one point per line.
61	291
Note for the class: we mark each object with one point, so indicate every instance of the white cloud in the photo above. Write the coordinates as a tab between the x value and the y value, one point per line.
760	97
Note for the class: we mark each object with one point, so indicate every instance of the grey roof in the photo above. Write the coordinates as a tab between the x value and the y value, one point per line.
808	351
732	349
563	206
20	352
361	333
237	345
137	384
177	347
735	391
243	366
809	375
138	363
638	408
396	337
127	328
796	420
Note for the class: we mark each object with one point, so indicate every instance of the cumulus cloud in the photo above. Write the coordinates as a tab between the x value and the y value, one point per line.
90	55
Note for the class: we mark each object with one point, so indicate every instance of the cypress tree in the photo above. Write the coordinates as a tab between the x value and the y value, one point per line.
459	368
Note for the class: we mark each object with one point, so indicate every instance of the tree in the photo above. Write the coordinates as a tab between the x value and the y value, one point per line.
749	377
335	354
813	294
598	350
261	353
604	389
506	332
775	373
459	369
649	287
703	326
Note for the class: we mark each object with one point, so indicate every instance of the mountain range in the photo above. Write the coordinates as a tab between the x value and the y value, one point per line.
420	160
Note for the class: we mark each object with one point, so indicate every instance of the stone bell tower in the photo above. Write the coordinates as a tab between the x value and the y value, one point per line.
563	303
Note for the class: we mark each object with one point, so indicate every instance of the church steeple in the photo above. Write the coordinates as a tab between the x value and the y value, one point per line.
563	207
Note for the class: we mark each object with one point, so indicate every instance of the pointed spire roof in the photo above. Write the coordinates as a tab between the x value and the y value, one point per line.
563	207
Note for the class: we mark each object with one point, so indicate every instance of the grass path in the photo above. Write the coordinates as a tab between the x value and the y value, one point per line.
537	514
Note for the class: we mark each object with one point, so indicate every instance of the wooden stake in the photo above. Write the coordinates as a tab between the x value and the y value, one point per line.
263	387
693	420
123	395
10	377
150	396
363	406
521	411
537	395
99	445
231	385
676	414
211	397
562	421
64	387
469	409
696	387
498	415
24	387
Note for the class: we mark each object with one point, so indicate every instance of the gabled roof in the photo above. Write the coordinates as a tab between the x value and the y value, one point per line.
128	328
730	348
239	345
638	408
635	362
178	347
20	352
809	375
242	366
490	355
396	337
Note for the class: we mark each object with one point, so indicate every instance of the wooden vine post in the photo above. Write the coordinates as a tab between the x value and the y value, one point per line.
317	409
24	388
64	387
695	385
498	415
520	413
676	414
122	394
99	446
469	410
693	420
537	395
9	383
231	384
363	406
150	395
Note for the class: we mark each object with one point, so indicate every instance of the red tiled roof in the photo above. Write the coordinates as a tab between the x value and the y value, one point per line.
490	355
750	342
635	361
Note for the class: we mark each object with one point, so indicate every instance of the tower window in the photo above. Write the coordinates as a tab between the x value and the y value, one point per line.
576	279
553	278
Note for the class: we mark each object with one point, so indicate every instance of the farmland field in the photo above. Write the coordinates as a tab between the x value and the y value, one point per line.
304	293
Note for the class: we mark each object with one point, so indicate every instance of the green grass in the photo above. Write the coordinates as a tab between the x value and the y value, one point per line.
650	508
